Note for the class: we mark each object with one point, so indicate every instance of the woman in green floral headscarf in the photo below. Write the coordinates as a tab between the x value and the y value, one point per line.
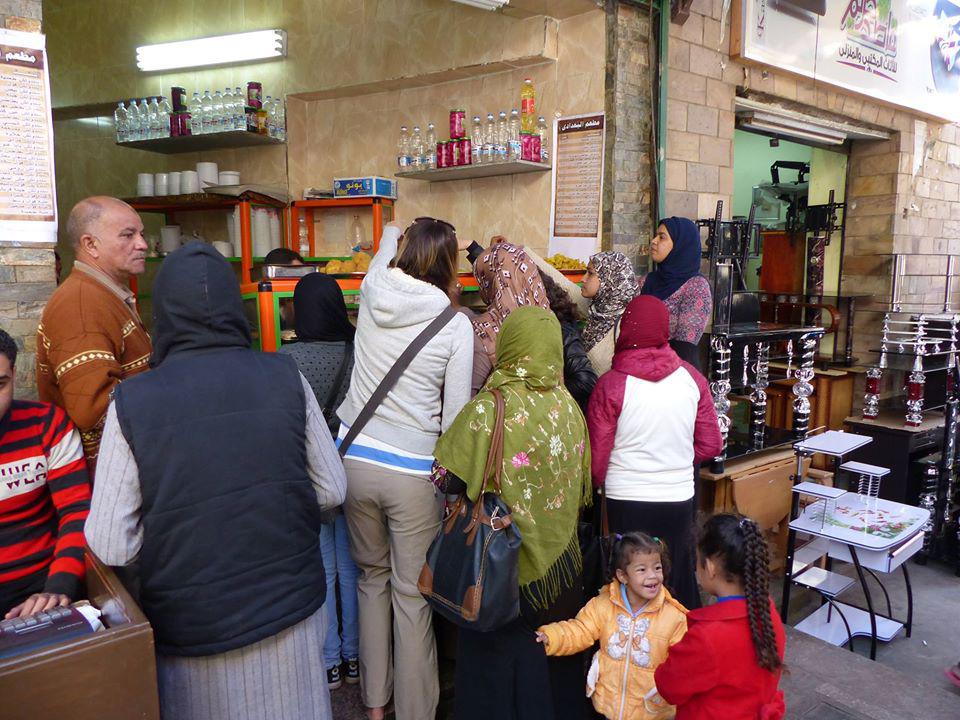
545	481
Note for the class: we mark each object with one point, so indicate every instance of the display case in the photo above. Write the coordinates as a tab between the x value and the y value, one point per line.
741	346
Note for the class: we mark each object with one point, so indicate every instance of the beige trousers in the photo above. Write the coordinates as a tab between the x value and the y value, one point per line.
392	517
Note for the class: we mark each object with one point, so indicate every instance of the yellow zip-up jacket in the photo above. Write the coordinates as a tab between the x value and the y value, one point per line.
631	648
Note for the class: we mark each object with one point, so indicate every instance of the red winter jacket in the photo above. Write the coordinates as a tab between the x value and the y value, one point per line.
713	672
652	430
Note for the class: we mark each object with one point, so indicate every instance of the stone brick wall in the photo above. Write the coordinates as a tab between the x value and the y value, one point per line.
903	194
628	199
26	273
701	86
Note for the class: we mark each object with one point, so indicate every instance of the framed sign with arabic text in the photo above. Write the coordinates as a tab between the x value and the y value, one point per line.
28	200
577	185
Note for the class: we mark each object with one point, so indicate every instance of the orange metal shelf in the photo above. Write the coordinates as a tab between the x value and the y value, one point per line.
309	207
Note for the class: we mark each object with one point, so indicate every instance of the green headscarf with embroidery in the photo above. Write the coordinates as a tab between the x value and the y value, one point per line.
546	454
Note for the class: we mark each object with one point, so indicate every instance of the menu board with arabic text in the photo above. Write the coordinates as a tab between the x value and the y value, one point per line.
577	185
28	204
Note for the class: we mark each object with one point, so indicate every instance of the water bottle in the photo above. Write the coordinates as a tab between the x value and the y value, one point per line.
206	103
160	123
489	139
476	140
403	149
195	107
166	110
544	132
143	121
240	118
120	122
430	147
228	110
355	236
514	149
416	149
219	112
153	118
280	112
502	137
133	121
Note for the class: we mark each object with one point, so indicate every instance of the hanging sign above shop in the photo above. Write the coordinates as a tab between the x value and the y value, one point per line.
902	52
28	202
577	185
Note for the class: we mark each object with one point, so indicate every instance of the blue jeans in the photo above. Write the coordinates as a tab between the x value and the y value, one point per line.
339	567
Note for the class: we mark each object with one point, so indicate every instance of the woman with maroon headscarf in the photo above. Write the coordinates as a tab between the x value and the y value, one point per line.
651	418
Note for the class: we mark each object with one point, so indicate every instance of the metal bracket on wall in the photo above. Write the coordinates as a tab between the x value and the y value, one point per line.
680	11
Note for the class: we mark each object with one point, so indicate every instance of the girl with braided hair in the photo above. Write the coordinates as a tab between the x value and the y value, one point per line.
728	664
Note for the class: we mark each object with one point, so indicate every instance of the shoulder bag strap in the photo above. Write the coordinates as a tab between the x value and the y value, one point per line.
494	467
337	386
393	374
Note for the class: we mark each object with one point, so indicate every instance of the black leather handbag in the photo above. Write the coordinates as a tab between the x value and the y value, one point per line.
471	575
596	543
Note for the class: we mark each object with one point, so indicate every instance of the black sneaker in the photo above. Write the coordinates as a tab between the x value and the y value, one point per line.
334	680
353	672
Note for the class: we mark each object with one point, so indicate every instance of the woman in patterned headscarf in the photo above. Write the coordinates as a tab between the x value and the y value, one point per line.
610	284
508	279
545	480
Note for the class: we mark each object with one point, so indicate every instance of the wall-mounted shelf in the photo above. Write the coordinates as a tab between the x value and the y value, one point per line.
470	172
199	143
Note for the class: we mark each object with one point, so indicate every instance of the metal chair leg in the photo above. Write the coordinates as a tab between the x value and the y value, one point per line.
869	599
906	579
885	593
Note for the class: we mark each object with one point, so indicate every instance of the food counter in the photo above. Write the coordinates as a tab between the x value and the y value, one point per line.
264	301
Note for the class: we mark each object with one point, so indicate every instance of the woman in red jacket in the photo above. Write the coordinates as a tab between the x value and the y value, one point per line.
728	664
651	418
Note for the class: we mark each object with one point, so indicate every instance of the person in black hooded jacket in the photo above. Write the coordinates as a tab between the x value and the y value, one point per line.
578	372
213	471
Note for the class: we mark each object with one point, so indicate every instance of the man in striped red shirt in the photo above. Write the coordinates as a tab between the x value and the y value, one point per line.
44	501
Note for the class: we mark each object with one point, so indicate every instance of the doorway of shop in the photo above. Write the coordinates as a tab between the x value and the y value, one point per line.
796	191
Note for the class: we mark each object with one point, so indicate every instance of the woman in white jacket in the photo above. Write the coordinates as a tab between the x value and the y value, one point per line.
392	508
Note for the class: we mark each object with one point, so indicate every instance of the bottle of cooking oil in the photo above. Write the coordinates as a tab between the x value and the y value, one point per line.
528	102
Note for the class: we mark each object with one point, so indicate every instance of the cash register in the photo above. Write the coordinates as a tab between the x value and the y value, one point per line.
24	635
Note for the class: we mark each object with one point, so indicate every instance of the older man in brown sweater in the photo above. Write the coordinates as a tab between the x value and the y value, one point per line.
91	336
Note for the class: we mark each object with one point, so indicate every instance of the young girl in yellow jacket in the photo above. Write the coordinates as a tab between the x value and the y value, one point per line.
636	621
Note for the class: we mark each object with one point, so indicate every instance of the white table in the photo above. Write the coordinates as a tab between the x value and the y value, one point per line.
876	536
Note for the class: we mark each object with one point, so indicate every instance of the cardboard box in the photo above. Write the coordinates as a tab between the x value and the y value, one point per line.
371	186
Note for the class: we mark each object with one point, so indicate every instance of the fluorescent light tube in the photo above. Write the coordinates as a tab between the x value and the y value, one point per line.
802	125
484	4
791	132
220	50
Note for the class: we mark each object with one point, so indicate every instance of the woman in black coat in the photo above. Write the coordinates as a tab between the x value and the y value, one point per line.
578	373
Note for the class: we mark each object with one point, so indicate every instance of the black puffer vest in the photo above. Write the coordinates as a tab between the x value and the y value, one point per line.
230	517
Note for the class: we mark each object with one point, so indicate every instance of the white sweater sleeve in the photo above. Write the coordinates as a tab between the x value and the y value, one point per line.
459	373
389	241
